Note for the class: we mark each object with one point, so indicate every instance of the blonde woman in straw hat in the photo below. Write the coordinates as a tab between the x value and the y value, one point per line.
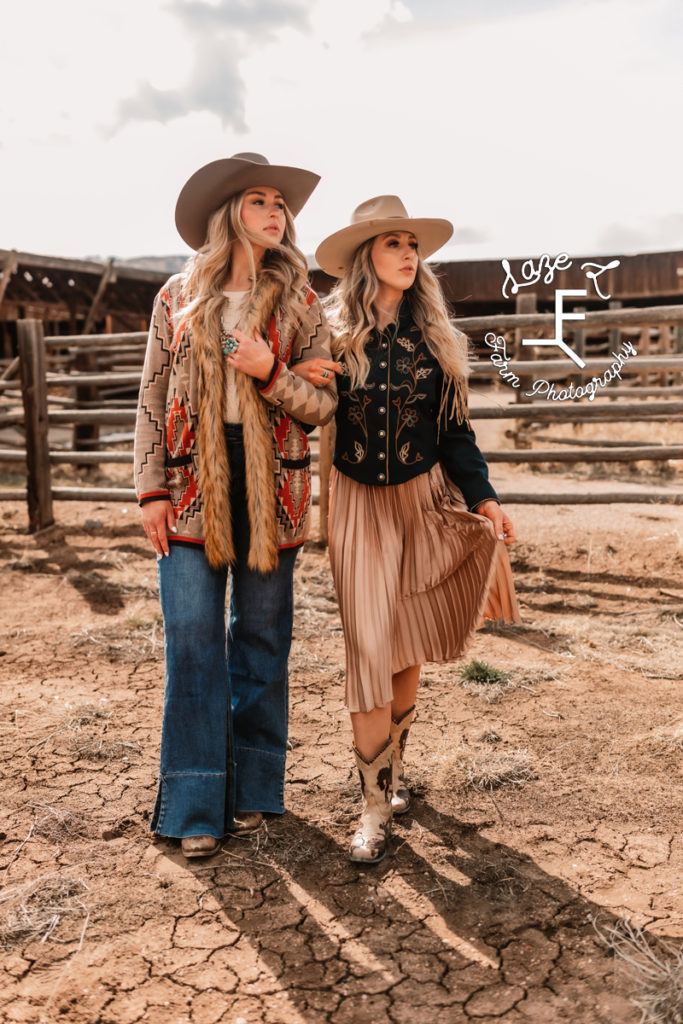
417	534
222	470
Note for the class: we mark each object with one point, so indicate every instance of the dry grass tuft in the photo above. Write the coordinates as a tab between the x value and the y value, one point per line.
289	847
480	679
491	768
502	877
90	745
58	825
39	907
100	748
136	641
80	731
87	714
658	976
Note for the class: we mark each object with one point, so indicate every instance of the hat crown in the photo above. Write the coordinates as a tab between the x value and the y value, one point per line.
379	208
253	158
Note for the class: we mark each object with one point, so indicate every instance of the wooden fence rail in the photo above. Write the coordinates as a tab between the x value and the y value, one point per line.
37	415
603	319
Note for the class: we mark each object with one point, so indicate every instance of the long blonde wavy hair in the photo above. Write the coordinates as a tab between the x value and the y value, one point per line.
350	309
206	271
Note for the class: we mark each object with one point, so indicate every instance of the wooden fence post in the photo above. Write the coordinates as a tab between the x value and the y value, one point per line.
85	435
326	451
34	394
578	345
677	349
614	334
524	303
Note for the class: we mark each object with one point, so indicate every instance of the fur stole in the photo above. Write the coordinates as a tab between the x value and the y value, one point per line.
214	469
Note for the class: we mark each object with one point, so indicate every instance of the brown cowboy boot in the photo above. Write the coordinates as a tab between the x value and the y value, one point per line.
369	845
200	846
400	801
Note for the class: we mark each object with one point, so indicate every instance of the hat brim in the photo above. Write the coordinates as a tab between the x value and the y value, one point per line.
335	254
214	183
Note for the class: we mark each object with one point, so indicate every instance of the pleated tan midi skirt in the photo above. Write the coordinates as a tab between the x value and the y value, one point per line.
415	575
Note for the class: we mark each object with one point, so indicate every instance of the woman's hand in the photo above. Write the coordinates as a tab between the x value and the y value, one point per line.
252	355
501	524
158	520
318	372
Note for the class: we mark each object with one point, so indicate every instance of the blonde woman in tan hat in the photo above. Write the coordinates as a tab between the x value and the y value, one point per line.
417	534
222	470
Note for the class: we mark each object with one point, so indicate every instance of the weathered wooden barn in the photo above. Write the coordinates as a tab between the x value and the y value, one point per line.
73	296
83	296
474	287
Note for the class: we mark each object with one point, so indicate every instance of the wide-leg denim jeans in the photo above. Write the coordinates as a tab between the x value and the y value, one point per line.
224	730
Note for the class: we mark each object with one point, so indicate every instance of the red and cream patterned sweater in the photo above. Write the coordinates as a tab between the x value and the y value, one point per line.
167	460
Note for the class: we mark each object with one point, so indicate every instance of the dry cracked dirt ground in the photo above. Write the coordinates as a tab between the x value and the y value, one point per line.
487	909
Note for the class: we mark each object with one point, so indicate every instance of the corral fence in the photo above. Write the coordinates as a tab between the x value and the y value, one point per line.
60	393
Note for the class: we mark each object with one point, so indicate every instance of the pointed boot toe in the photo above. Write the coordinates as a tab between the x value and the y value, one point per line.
199	846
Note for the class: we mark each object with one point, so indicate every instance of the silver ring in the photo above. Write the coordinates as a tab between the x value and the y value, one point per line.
154	533
326	373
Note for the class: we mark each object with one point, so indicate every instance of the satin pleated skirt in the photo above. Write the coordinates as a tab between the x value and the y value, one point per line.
415	575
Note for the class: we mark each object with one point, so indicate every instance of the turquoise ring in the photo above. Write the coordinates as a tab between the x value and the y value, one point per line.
229	344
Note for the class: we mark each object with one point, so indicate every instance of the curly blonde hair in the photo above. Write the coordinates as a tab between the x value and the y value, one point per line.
350	309
206	271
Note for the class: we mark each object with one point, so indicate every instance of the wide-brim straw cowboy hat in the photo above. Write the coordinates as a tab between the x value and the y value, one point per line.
376	217
214	183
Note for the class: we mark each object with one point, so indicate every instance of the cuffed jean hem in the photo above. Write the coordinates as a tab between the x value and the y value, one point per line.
260	781
192	804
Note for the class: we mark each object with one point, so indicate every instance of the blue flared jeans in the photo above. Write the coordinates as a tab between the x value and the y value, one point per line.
224	730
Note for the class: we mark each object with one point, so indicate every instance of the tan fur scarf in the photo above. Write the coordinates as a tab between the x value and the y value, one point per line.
214	470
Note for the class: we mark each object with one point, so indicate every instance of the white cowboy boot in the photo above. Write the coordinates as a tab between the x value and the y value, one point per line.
369	845
400	801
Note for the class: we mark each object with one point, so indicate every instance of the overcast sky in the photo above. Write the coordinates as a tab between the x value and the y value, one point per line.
534	125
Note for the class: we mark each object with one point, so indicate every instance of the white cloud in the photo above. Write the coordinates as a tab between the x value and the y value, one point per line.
220	34
534	127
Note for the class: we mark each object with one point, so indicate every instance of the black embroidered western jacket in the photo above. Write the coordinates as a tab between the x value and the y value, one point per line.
387	431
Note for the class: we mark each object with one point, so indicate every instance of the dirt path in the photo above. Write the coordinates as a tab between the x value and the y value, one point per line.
484	912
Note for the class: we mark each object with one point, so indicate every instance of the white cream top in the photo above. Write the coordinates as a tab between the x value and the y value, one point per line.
230	318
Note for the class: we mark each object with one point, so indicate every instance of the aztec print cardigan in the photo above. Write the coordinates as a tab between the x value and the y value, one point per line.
168	464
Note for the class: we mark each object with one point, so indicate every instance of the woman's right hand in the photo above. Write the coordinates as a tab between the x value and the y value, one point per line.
158	520
318	372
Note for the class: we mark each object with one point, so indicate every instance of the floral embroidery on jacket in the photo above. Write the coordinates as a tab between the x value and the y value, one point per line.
358	414
395	436
407	415
407	344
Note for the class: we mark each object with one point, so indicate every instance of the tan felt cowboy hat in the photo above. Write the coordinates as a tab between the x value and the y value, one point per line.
375	217
214	183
